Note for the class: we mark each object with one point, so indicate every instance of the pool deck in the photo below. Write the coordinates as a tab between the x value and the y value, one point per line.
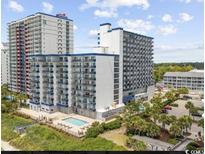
56	120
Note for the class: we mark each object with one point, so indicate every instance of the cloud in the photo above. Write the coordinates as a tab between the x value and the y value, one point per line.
144	4
47	7
185	1
185	17
75	27
188	1
16	7
93	33
167	18
179	52
104	7
138	26
167	30
180	47
150	17
105	13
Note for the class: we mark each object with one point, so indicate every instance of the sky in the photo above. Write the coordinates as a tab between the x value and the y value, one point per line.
177	26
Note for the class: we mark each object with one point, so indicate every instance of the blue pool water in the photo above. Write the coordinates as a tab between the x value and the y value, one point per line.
74	121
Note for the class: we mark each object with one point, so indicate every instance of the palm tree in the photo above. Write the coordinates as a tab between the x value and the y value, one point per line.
188	122
164	119
4	90
201	123
139	146
185	122
152	130
172	118
156	99
170	96
175	129
193	110
189	106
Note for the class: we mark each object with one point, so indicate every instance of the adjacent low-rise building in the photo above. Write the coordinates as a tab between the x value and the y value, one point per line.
86	84
193	80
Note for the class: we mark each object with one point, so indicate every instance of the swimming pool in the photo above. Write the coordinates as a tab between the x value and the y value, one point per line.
75	121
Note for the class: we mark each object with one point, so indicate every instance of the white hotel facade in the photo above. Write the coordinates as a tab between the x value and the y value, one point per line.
94	84
85	84
5	64
193	80
135	60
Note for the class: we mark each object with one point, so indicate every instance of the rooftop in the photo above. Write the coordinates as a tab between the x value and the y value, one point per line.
120	28
185	74
60	16
76	54
199	71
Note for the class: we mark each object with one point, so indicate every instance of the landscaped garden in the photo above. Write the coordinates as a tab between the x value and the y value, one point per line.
151	121
139	118
41	137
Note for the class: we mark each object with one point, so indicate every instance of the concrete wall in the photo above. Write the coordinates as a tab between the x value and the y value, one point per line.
104	81
51	32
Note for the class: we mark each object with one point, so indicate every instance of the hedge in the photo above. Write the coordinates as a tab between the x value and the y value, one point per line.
98	128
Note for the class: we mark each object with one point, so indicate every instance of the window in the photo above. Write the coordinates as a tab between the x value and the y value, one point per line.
44	22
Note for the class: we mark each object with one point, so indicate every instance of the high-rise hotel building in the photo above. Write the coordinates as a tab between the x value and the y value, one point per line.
39	33
86	84
4	63
135	60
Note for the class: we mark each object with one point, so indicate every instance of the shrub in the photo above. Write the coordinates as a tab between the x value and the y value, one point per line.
192	146
97	128
112	125
22	115
183	90
172	141
174	104
136	145
167	102
92	132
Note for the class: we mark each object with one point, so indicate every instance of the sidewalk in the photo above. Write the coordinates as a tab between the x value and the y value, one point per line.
5	146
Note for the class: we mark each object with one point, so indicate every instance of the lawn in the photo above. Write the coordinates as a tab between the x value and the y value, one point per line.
117	136
41	137
8	124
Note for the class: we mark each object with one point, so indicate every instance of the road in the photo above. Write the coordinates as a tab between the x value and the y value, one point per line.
153	144
7	147
183	145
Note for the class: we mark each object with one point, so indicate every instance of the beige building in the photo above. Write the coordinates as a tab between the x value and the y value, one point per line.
39	33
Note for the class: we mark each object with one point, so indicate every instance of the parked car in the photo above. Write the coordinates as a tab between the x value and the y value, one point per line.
164	111
197	114
168	107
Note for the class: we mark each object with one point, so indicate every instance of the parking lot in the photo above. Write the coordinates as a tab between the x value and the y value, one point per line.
181	110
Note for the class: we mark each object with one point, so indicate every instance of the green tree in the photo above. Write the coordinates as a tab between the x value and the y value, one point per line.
4	90
164	119
201	123
170	95
155	117
193	111
183	90
172	119
189	106
139	146
185	122
132	108
175	130
136	145
152	130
